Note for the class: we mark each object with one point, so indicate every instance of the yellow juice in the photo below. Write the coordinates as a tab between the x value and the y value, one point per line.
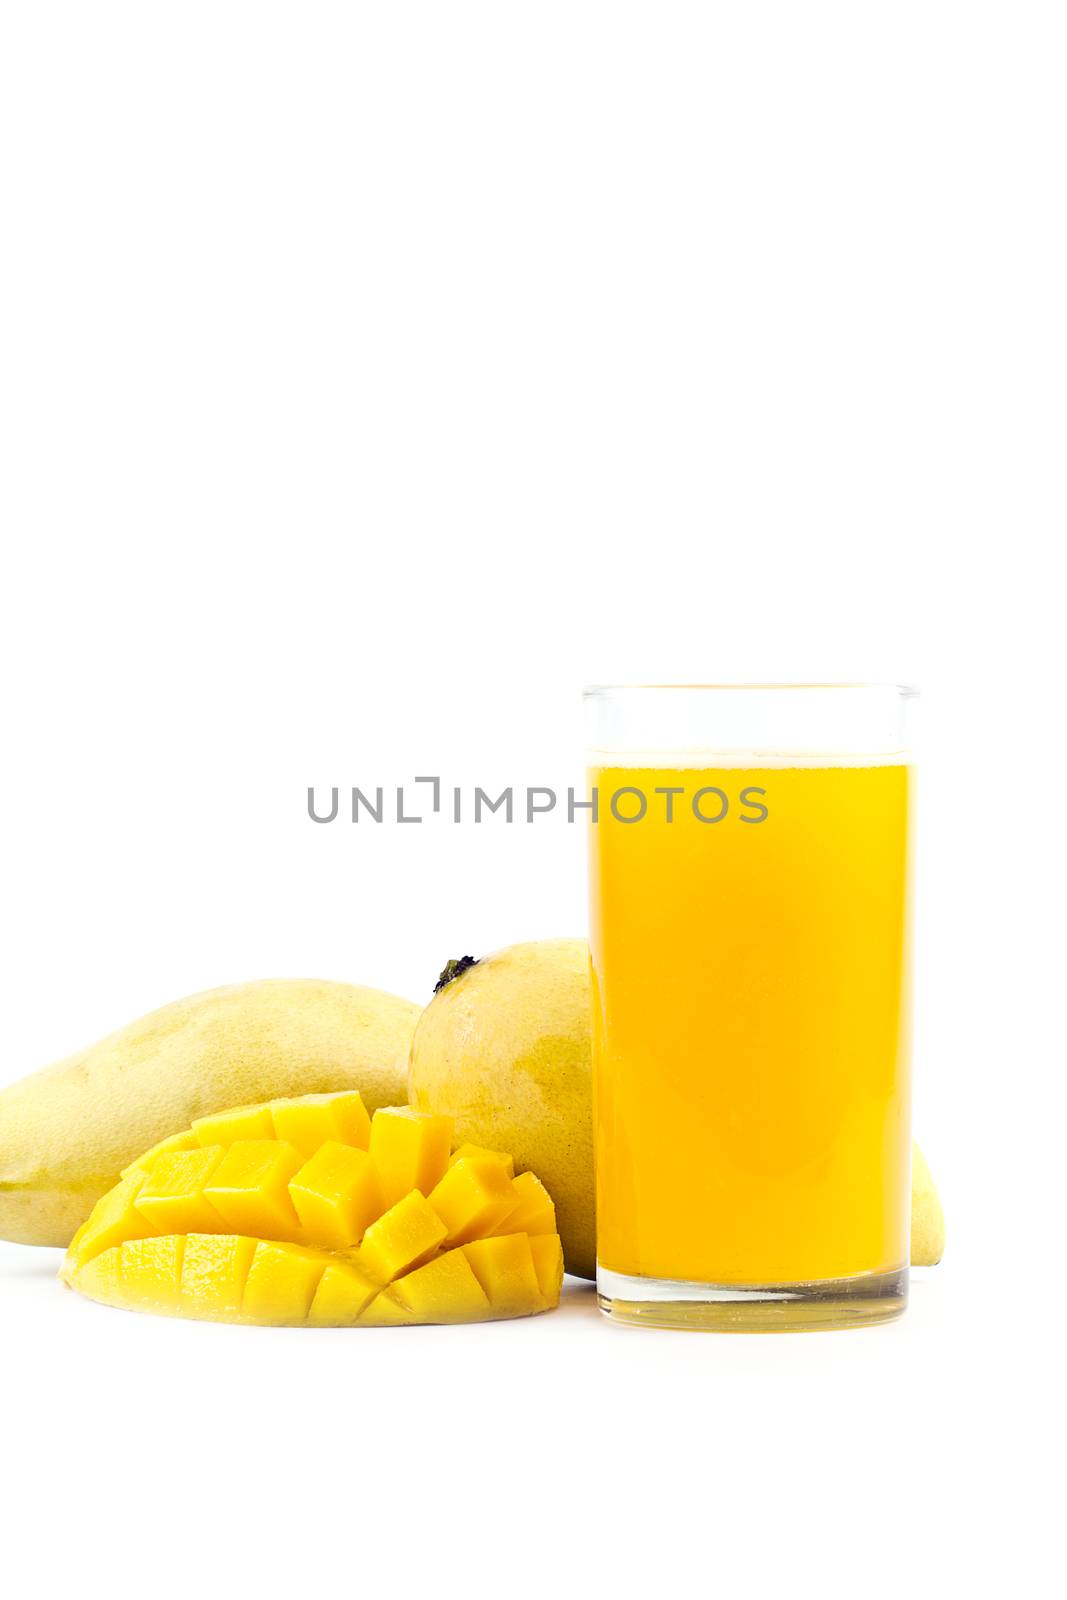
751	1062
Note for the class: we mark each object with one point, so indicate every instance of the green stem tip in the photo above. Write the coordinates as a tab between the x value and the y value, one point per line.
454	969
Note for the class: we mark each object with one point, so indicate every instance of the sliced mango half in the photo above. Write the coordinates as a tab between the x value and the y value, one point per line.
308	1213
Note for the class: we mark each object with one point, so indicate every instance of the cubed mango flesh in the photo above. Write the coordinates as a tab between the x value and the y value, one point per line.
403	1238
113	1219
172	1199
547	1253
299	1213
533	1211
505	1269
444	1290
281	1283
465	1150
214	1269
151	1271
474	1198
101	1279
226	1127
410	1150
344	1292
387	1310
337	1195
185	1140
250	1188
311	1120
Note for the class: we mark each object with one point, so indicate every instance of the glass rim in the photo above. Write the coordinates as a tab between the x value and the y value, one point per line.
595	691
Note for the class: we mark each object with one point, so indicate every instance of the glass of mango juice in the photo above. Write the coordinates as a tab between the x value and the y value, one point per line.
749	850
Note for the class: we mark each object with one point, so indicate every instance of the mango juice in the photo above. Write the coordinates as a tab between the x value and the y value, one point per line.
751	1058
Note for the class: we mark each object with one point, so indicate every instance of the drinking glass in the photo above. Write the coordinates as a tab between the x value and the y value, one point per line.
750	953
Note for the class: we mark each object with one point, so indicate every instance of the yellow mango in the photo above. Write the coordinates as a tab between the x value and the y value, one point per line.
410	1150
312	1120
465	1150
406	1236
473	1198
226	1127
344	1292
533	1211
337	1195
444	1290
171	1199
250	1188
505	1269
214	1269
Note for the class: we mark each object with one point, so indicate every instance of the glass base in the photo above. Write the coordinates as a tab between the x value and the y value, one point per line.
857	1302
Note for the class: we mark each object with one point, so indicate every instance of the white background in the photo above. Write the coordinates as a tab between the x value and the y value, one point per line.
372	377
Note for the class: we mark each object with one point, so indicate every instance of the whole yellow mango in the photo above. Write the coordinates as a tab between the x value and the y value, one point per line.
504	1049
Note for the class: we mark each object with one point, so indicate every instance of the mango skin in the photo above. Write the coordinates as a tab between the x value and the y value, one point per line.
67	1131
505	1049
927	1217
